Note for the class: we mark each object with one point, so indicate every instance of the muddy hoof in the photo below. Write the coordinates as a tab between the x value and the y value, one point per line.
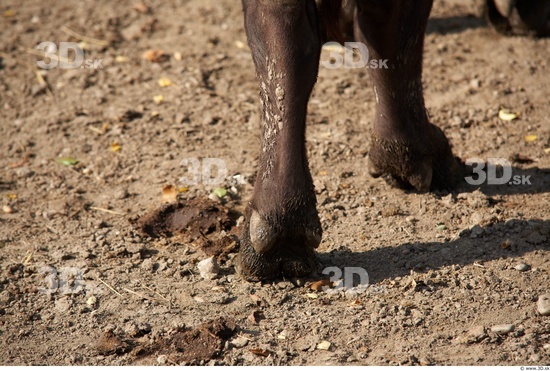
519	17
425	164
275	246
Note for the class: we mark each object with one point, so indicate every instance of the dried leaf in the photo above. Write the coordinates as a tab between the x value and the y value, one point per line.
220	192
324	345
11	196
9	13
260	352
506	244
547	150
164	82
115	147
506	115
67	161
355	303
155	55
320	285
169	194
158	99
530	138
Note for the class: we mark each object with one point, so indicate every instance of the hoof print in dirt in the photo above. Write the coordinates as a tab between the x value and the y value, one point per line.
206	223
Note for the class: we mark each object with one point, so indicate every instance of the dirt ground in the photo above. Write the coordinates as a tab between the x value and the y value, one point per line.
85	152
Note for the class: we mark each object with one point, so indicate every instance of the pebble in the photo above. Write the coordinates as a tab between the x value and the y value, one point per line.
475	83
121	193
162	359
239	342
92	301
474	335
503	329
522	267
208	268
298	282
476	231
214	197
543	305
7	209
147	264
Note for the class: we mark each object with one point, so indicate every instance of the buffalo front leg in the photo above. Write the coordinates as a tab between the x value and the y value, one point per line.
282	227
405	146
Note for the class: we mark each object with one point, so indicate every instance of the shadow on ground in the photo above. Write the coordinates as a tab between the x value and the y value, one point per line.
457	24
514	238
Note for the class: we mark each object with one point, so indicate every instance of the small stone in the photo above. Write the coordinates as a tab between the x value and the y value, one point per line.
522	267
476	231
285	285
135	330
7	209
543	305
535	358
38	89
121	193
214	197
92	301
239	342
208	268
474	335
162	359
147	264
298	281
503	329
475	83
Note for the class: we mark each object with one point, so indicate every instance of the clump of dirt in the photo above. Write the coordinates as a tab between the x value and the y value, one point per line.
109	343
197	345
209	224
